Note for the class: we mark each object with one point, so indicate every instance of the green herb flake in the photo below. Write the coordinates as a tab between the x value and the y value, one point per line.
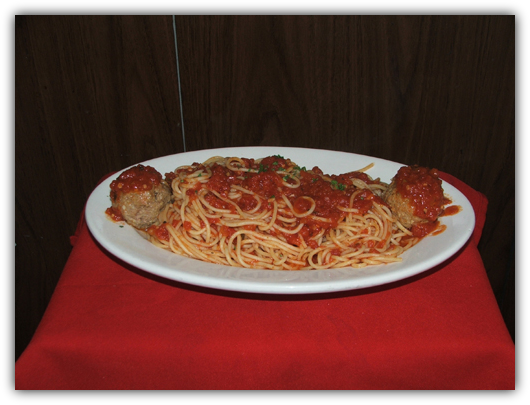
338	186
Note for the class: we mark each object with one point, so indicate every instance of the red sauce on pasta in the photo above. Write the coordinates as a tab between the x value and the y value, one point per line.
268	182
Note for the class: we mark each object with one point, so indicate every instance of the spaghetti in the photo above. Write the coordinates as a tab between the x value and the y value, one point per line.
272	214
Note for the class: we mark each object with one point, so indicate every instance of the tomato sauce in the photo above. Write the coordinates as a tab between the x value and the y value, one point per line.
221	180
268	182
264	183
423	229
435	228
247	202
217	202
159	231
115	214
451	210
136	179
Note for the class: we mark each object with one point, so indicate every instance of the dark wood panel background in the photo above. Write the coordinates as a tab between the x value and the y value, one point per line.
97	93
93	94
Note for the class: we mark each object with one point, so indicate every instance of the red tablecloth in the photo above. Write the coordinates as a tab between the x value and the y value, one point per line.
111	326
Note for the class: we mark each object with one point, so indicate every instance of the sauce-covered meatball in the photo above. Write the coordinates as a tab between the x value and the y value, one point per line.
416	198
138	195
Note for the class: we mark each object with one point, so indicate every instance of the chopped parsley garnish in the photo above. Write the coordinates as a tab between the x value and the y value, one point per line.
338	186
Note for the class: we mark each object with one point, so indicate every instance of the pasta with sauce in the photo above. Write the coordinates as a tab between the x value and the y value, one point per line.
272	214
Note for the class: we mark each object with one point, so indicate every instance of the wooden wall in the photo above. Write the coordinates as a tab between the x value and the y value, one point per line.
94	94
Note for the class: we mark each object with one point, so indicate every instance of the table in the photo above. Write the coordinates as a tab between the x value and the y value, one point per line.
112	326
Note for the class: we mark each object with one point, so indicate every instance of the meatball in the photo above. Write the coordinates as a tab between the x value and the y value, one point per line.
415	195
138	195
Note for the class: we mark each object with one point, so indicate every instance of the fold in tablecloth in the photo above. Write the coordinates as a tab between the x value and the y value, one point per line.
111	326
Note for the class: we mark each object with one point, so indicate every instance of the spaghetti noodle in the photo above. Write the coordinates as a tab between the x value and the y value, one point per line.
272	214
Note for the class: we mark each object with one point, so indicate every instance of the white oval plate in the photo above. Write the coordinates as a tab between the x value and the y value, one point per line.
125	243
